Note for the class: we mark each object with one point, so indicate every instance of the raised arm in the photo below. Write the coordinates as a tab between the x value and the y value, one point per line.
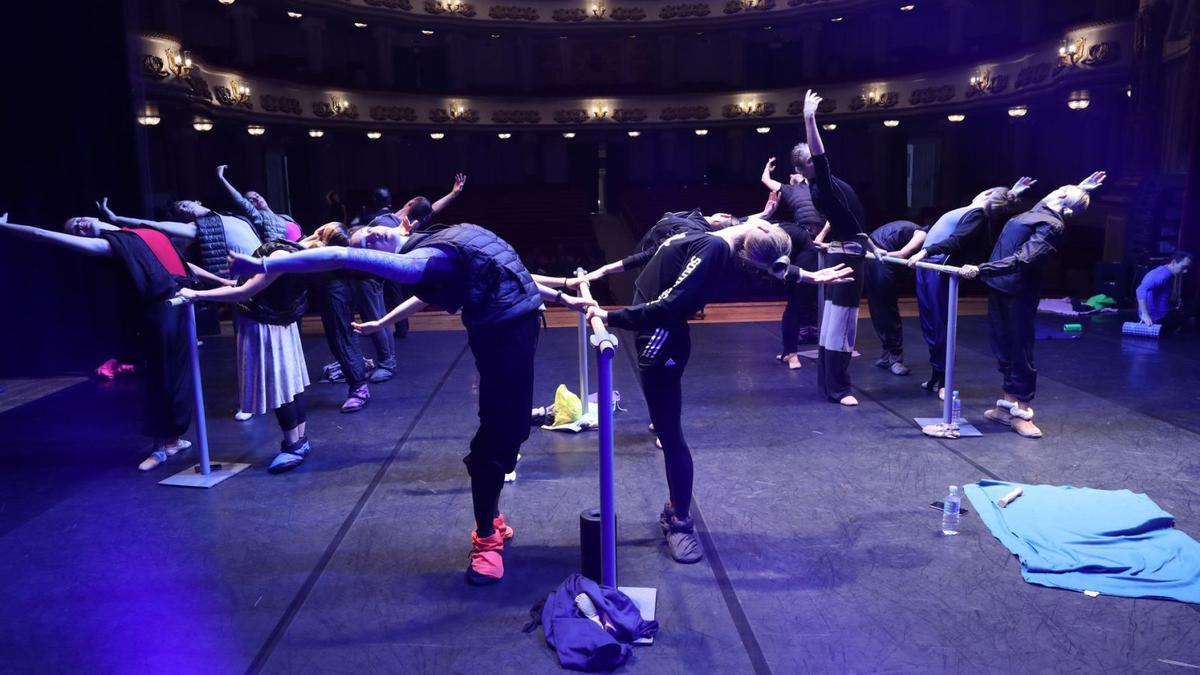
460	181
240	202
84	245
772	184
167	227
811	131
770	207
408	268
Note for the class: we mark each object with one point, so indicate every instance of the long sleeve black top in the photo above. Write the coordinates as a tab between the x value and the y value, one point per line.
837	201
1025	243
676	283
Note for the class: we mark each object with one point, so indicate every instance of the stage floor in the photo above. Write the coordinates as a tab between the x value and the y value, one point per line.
823	555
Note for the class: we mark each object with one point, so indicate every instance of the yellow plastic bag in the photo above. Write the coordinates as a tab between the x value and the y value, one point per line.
568	409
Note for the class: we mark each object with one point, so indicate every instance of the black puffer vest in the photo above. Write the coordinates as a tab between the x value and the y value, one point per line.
210	239
284	301
494	285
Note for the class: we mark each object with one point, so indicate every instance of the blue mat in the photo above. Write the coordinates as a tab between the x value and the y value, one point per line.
1113	542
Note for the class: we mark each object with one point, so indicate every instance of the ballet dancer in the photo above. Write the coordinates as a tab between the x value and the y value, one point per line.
1012	275
273	374
684	273
253	207
463	268
898	239
157	271
952	241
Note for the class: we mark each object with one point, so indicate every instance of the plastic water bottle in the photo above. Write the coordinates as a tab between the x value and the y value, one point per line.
955	408
950	511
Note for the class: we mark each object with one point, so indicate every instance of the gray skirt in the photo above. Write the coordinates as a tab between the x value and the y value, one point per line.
273	370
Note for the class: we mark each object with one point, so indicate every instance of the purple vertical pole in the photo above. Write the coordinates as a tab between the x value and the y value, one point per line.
197	391
951	339
608	514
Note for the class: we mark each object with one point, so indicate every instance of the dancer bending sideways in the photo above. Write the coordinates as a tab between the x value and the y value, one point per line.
254	207
468	268
953	240
684	273
273	374
838	202
157	271
897	239
1011	273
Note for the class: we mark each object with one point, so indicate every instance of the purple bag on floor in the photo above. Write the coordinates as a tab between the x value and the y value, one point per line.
581	643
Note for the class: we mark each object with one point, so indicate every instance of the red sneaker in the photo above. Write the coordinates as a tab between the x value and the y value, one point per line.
487	559
502	527
108	369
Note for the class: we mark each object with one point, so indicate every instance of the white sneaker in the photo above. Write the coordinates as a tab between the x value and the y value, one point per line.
156	458
512	477
242	416
898	368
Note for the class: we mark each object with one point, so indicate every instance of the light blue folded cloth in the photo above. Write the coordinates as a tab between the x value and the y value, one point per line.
1113	542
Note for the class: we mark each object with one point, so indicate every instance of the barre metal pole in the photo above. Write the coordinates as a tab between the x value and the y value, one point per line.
944	269
583	351
197	391
951	339
608	512
820	287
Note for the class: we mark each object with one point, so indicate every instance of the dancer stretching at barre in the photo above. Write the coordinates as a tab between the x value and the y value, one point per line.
799	320
459	267
898	239
273	373
951	241
157	271
254	207
1012	272
671	224
840	205
677	282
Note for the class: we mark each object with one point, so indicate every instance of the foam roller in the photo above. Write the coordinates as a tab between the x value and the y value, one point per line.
1139	329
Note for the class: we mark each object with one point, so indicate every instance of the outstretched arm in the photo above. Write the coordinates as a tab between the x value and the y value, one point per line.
402	311
167	227
424	264
569	301
772	184
211	278
242	204
914	244
84	245
769	208
231	294
460	181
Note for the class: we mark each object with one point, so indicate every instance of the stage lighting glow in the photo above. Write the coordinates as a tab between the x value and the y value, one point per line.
568	134
504	136
829	127
437	135
255	130
1018	111
763	130
891	124
374	135
634	134
315	133
956	117
701	132
202	124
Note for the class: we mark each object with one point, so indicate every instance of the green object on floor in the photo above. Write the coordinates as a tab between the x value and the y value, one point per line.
1099	301
1072	328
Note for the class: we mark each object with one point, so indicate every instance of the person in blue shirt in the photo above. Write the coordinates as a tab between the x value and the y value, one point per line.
1154	293
1012	274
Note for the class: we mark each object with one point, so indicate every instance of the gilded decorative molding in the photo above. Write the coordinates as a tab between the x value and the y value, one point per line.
567	15
1031	75
154	66
199	87
691	112
628	14
325	110
736	110
573	116
735	6
687	11
885	100
403	5
225	97
802	3
513	12
392	113
629	115
995	85
1102	54
465	9
927	95
440	116
516	116
282	104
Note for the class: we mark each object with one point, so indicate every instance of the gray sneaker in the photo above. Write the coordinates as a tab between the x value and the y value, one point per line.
899	368
682	541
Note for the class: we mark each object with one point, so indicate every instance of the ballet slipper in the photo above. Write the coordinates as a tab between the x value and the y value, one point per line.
849	401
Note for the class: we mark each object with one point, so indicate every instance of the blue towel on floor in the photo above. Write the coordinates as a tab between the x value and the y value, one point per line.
1114	542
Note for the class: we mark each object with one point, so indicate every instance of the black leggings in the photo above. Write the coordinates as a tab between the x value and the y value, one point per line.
291	414
661	362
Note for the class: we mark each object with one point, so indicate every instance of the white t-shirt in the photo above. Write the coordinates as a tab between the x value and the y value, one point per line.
239	236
